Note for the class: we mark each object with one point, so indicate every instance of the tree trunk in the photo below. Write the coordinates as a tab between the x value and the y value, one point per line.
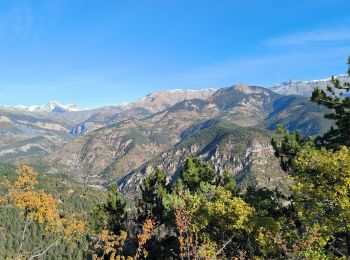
348	242
44	251
26	224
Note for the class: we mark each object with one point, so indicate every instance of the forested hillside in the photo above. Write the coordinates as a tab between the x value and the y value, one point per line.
73	199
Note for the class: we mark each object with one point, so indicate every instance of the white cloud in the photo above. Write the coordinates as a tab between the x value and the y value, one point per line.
331	34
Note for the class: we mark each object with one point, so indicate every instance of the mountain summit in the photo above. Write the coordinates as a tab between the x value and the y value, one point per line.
305	88
54	106
51	106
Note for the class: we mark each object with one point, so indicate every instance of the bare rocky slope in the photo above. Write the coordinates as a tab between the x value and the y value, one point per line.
109	152
150	104
244	152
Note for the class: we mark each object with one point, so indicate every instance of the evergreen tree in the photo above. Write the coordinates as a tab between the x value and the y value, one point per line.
98	219
289	146
153	188
110	215
115	209
227	182
336	98
194	172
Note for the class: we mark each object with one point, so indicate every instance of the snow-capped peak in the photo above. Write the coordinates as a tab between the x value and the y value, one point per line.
54	106
51	106
305	88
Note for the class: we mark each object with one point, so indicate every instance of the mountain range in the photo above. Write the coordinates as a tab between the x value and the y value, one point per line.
39	130
229	127
51	106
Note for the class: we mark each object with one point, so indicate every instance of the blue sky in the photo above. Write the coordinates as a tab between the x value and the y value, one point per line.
95	53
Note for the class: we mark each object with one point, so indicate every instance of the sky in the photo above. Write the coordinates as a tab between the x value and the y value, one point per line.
94	53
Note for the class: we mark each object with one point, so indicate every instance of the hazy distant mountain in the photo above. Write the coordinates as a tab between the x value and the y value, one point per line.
297	113
51	106
36	132
30	135
304	88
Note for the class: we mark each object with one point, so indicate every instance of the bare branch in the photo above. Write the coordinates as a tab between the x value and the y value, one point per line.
45	250
224	246
26	224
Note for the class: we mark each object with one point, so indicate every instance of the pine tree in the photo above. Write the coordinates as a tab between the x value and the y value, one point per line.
227	182
194	172
289	146
153	188
336	98
110	215
115	209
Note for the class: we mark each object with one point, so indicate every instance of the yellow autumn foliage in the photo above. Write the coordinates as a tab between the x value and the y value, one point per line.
322	182
27	177
36	205
108	244
39	206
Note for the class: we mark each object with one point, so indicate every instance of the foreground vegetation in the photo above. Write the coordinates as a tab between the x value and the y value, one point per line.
71	199
201	215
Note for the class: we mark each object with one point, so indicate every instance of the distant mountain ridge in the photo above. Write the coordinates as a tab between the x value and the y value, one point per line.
157	101
50	106
148	105
305	88
153	102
